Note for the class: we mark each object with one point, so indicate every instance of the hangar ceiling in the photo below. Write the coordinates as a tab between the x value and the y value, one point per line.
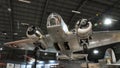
17	15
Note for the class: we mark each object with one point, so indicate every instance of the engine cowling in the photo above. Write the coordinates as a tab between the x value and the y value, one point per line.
84	28
36	35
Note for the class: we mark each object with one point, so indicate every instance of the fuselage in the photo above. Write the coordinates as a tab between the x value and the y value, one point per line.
64	41
59	38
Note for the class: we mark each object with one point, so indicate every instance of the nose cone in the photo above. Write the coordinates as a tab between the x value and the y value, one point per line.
53	19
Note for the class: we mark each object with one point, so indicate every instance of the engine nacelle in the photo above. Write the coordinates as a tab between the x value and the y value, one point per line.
34	33
84	28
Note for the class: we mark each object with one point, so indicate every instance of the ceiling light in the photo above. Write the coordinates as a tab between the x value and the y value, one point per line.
4	33
15	33
45	53
108	21
25	1
9	9
95	24
25	24
1	49
77	12
95	51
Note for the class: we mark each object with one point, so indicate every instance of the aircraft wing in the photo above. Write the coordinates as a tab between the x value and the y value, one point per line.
102	38
28	44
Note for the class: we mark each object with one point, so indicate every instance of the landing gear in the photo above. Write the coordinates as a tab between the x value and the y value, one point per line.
84	43
85	49
36	55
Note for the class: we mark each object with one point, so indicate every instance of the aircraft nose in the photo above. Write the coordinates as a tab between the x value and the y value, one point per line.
53	21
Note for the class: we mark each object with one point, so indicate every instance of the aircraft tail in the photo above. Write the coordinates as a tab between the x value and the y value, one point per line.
110	56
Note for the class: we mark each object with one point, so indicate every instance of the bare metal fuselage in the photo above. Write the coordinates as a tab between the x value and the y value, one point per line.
58	36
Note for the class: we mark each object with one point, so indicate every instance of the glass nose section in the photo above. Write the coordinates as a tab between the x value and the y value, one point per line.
53	21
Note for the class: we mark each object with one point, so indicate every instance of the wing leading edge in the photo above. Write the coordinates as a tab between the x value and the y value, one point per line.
99	39
103	38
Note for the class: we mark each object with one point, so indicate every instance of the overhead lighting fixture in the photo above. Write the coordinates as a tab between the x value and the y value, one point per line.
25	1
9	9
95	24
4	33
45	53
95	52
15	33
25	24
1	49
77	12
107	21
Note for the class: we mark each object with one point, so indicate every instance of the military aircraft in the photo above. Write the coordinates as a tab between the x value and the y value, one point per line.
60	40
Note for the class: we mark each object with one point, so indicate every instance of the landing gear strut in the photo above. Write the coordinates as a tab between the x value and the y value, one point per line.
85	49
84	44
36	55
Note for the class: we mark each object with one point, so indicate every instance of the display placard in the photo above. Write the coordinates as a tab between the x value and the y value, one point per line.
10	65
